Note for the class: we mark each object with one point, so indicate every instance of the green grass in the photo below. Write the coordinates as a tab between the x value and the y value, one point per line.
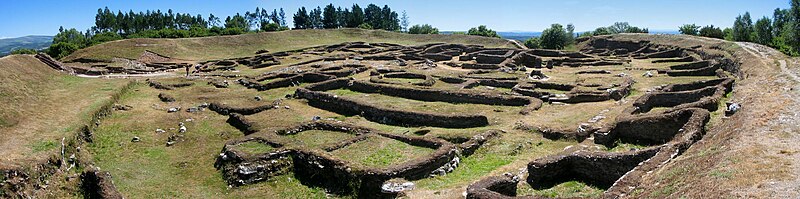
516	149
286	186
722	174
4	123
663	192
568	189
254	147
470	169
319	138
150	169
43	145
380	152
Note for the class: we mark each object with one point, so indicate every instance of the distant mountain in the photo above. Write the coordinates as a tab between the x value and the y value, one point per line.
521	35
668	32
33	42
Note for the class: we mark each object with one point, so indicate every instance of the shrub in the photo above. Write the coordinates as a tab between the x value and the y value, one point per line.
365	26
23	51
423	29
482	31
533	42
61	49
711	31
104	37
689	29
233	31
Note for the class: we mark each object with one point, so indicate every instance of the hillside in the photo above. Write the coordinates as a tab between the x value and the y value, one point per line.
221	47
40	106
33	42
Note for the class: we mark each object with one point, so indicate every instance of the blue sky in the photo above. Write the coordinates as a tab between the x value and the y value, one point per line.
37	17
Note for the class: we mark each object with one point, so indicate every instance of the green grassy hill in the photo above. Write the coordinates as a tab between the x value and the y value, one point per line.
220	47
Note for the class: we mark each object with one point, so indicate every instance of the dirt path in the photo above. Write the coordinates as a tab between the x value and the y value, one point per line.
765	53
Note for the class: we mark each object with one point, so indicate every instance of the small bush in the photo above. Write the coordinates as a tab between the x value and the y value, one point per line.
423	29
482	30
21	51
533	42
711	31
61	49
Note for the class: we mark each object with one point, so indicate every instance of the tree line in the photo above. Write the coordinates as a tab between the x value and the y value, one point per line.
110	26
330	17
781	32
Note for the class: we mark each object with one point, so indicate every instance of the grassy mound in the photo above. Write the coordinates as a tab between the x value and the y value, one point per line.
42	105
220	47
19	71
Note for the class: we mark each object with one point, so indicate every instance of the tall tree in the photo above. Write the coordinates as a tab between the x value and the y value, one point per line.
570	33
213	20
236	22
373	16
780	17
252	20
301	19
389	20
315	17
329	19
793	32
356	18
554	37
763	31
342	16
275	17
743	28
404	22
282	17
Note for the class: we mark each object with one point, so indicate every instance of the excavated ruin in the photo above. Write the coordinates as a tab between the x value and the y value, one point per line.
318	167
350	106
665	120
667	133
